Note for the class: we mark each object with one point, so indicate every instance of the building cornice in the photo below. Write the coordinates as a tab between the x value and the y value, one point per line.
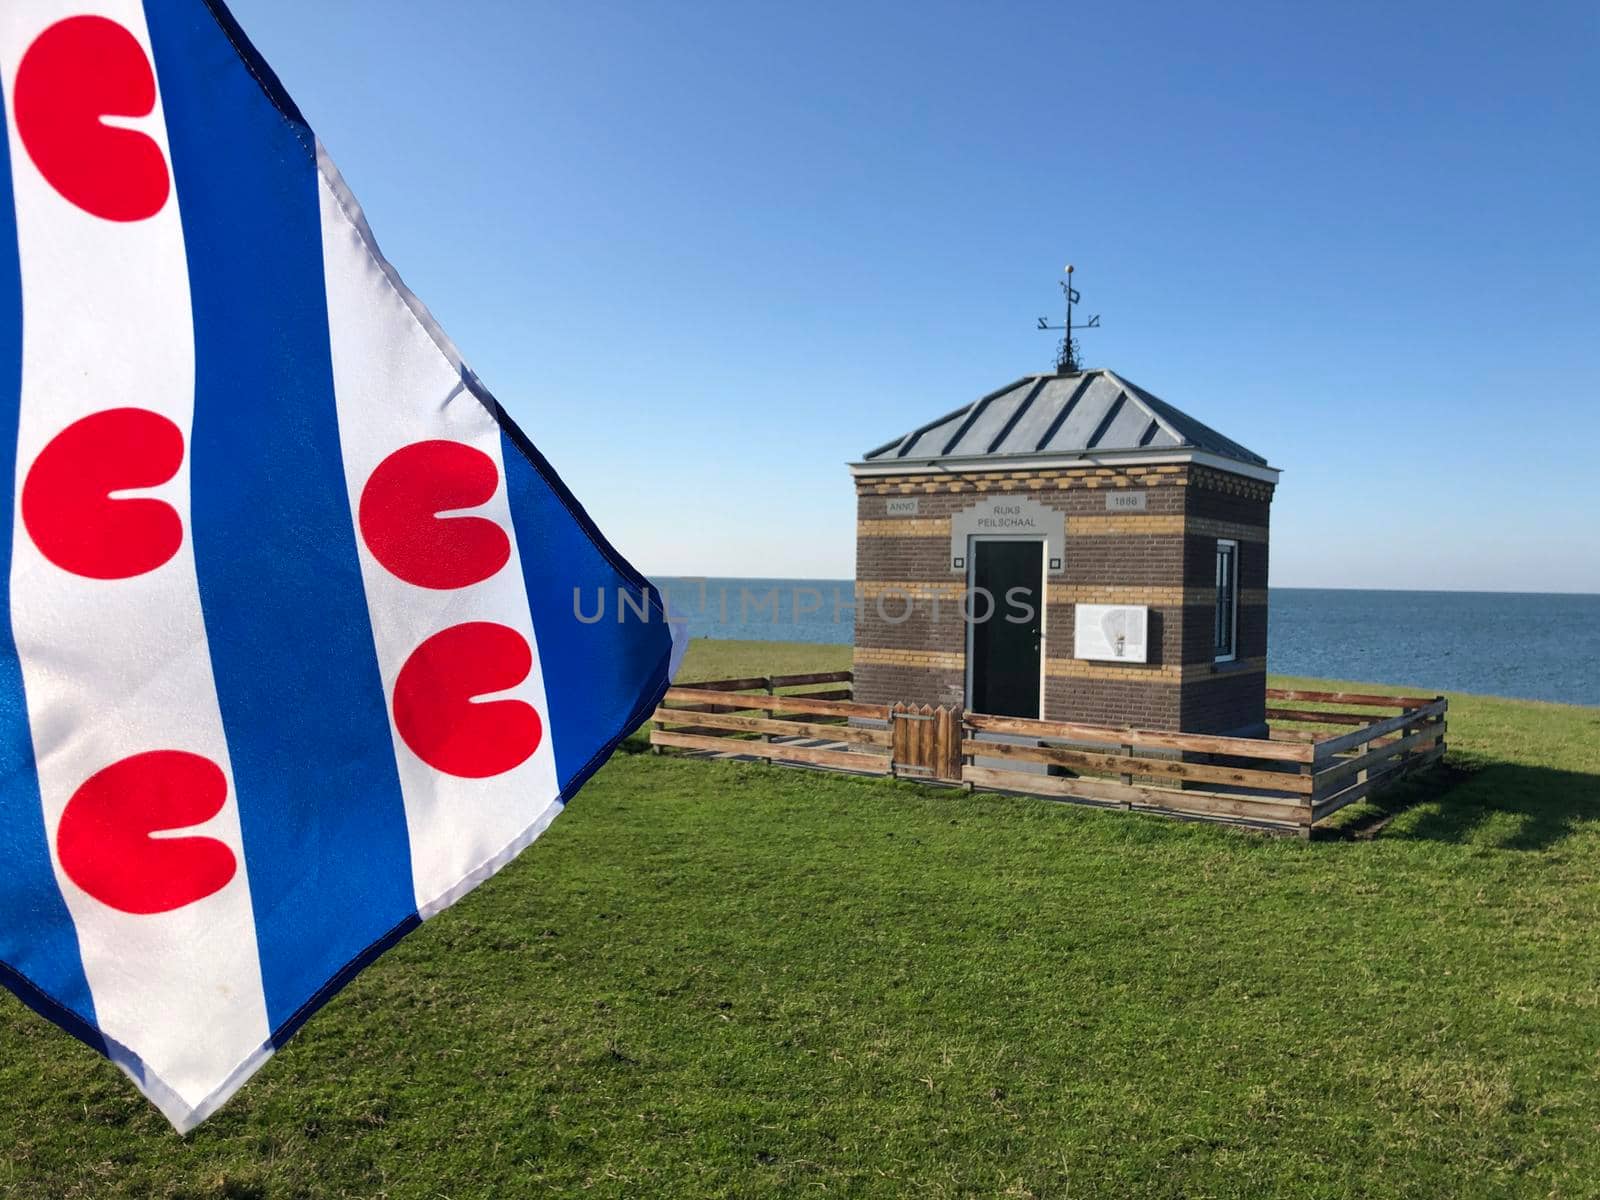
980	463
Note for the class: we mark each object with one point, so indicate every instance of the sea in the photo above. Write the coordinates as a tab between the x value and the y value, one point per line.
1530	646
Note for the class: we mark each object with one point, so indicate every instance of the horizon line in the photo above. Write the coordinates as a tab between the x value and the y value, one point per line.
1280	587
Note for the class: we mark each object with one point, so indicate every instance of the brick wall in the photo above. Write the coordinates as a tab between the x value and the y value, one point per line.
1231	701
910	636
1232	698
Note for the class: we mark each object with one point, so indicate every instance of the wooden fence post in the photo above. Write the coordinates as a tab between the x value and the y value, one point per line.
962	759
925	740
898	732
947	746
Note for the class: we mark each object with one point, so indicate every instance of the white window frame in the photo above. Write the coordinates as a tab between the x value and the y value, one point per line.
1233	614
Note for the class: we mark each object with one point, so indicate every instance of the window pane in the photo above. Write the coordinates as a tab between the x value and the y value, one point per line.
1226	601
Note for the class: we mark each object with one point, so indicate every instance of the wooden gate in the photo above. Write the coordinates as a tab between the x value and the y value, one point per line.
925	743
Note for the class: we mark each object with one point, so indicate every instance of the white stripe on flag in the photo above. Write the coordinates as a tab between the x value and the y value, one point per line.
396	388
109	631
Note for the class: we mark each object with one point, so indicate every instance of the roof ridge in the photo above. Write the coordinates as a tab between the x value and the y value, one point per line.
1033	411
1106	418
973	413
903	443
1137	394
1022	407
1071	402
1236	449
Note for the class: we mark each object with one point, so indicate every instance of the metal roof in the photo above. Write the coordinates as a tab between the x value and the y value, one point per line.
1091	412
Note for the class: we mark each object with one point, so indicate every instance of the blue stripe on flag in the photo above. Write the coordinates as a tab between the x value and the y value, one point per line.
39	958
302	701
601	679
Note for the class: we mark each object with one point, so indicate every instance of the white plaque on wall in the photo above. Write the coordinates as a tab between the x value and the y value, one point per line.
1111	632
1126	502
905	506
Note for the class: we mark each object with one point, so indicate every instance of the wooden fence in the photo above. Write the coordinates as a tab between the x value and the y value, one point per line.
926	742
1403	735
1303	772
742	716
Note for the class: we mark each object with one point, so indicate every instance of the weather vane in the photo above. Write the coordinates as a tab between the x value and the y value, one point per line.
1067	362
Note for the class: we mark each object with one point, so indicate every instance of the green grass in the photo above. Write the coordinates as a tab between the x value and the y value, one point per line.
715	979
708	659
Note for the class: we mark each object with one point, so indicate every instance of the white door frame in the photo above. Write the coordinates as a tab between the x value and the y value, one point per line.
1044	607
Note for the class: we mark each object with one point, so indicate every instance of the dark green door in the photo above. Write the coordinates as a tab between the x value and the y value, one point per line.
1005	648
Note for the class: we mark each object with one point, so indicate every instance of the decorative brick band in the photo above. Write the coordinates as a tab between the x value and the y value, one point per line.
955	591
1154	597
1121	481
1107	593
1213	480
1165	474
932	659
1202	672
1125	524
905	527
1149	475
921	589
1110	525
1205	527
1071	668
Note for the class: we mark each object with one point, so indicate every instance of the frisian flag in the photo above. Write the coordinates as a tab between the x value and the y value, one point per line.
289	654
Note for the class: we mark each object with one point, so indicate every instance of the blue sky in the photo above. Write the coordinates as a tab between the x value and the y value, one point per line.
706	254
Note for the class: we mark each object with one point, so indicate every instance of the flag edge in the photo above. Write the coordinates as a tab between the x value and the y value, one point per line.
183	1116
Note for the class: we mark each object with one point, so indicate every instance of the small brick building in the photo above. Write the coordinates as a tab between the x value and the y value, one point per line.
1135	535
